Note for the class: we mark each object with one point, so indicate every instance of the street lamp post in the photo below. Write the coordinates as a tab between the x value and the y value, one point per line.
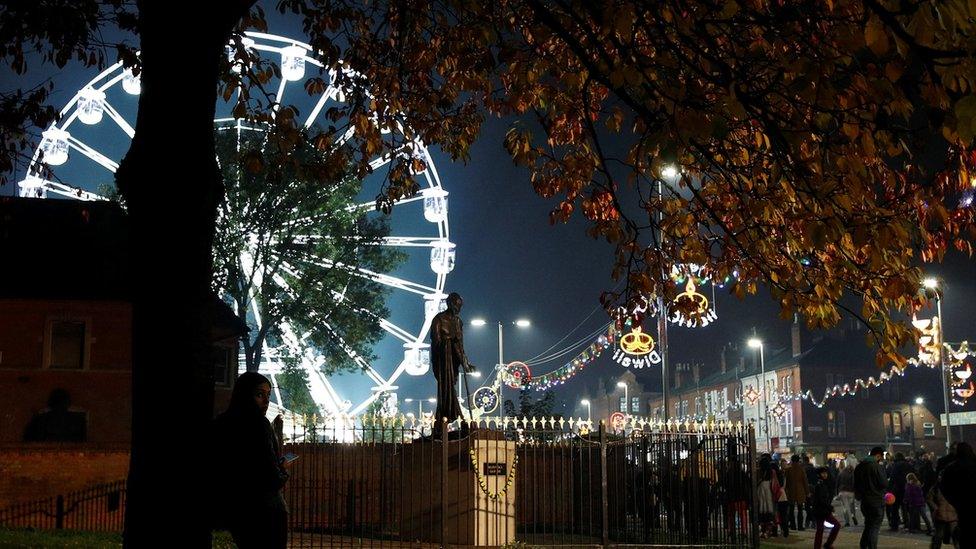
626	406
757	343
521	323
589	415
933	284
911	409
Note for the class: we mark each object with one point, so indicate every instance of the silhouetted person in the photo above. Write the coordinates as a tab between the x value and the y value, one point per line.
447	358
248	468
958	484
56	423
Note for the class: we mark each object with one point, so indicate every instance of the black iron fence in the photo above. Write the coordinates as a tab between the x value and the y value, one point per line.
388	482
96	508
541	482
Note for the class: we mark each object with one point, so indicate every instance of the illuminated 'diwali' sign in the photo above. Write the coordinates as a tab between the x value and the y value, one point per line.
637	342
636	350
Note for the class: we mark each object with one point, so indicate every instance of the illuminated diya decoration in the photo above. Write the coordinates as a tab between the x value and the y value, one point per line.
485	399
637	342
516	374
928	339
967	391
691	308
751	394
965	373
617	420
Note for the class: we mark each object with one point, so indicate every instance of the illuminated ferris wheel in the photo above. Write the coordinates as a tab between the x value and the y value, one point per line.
82	152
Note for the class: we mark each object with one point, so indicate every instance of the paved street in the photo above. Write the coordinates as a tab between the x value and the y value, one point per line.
849	537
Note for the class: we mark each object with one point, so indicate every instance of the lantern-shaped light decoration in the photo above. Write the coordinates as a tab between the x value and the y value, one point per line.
293	63
54	145
435	204
433	304
32	187
131	83
442	257
91	104
416	358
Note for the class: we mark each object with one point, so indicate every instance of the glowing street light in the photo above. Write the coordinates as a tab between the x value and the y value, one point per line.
932	283
589	414
919	401
626	406
756	343
521	323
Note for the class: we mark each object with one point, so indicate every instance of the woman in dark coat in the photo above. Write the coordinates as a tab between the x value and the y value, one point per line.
248	468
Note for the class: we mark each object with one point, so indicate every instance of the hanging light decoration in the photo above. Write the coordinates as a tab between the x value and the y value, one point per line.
131	83
516	375
691	308
293	63
751	394
91	104
54	145
486	400
928	339
442	257
435	204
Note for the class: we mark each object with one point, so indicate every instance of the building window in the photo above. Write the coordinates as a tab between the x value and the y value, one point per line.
623	404
223	364
892	424
788	384
832	424
928	429
786	423
698	406
66	344
635	405
841	424
723	401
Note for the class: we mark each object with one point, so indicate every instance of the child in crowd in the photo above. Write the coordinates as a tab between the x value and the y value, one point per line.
915	502
822	509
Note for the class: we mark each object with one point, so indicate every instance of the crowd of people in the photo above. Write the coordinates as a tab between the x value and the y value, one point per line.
909	492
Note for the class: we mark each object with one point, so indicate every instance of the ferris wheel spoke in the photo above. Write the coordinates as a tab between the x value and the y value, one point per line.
68	191
114	115
385	279
91	153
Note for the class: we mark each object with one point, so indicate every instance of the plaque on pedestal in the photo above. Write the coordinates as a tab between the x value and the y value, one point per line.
451	502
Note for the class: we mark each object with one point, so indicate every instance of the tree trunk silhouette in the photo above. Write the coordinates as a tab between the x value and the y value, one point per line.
170	183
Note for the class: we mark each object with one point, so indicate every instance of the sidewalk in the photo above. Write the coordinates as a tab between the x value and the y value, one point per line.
849	538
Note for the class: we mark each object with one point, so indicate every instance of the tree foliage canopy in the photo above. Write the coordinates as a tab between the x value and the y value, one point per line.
824	148
290	241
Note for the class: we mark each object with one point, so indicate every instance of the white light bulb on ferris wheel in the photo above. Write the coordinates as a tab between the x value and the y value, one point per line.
231	50
435	204
54	145
442	257
91	104
293	63
32	187
434	303
131	83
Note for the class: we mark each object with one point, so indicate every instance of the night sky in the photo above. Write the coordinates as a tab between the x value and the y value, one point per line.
511	263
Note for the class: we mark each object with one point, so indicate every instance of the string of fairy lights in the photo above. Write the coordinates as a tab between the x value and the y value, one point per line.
692	309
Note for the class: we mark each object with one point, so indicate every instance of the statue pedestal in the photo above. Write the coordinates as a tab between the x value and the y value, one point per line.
446	502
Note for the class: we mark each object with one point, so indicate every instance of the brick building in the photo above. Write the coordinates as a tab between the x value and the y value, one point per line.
66	349
901	414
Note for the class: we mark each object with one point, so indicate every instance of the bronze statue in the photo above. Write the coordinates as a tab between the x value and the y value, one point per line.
447	358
